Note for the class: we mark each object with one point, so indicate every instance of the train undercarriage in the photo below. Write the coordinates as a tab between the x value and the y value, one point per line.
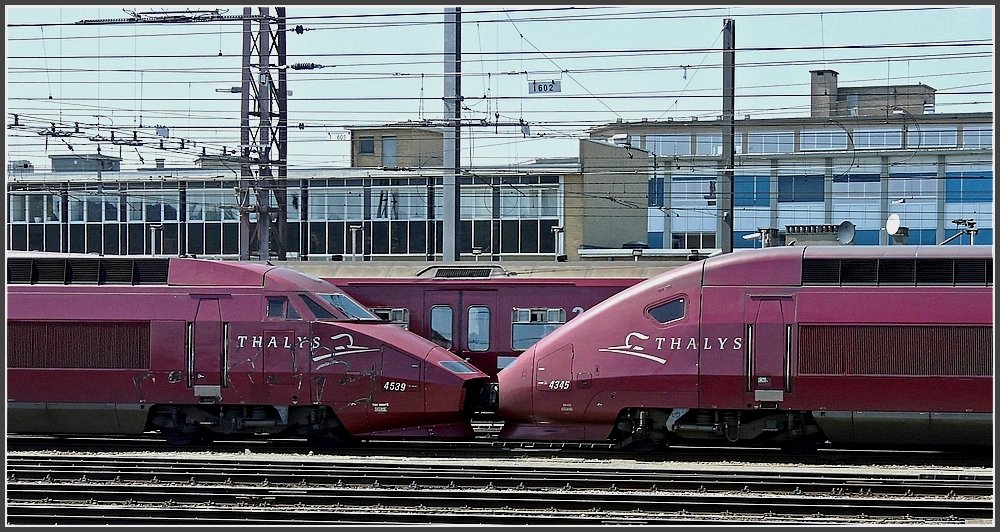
644	429
187	424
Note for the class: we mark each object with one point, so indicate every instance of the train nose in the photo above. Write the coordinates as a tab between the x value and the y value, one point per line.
516	389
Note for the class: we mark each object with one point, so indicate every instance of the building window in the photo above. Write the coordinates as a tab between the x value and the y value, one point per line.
655	192
529	325
708	144
968	187
928	137
800	188
872	139
977	136
692	241
667	145
336	204
366	145
828	139
770	142
389	146
751	190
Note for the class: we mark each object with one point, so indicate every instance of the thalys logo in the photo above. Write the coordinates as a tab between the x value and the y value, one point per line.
631	348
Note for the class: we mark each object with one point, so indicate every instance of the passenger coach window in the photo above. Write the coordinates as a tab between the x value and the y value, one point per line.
529	325
441	326
479	328
667	312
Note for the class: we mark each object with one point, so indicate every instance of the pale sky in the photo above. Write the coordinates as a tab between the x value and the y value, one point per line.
384	64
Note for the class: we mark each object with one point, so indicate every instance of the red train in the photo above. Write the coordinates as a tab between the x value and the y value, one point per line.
195	348
487	313
791	346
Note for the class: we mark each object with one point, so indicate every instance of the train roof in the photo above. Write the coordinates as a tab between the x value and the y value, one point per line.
480	270
830	265
82	269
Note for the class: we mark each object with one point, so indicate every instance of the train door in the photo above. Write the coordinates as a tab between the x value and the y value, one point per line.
465	322
399	391
282	370
351	382
769	346
206	344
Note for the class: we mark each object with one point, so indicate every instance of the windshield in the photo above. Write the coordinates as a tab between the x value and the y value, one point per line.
348	306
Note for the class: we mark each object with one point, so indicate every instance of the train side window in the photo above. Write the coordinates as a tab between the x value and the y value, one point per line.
669	311
441	319
479	328
529	325
399	317
279	307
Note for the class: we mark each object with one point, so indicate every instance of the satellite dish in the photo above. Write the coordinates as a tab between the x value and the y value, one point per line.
845	232
892	224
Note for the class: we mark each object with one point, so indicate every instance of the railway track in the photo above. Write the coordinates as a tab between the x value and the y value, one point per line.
486	446
116	489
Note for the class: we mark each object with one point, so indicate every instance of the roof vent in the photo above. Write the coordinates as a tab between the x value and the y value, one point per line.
452	273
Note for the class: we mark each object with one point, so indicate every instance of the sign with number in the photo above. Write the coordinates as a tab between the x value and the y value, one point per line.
542	87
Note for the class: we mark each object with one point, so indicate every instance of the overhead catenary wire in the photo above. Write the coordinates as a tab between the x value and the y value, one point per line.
149	106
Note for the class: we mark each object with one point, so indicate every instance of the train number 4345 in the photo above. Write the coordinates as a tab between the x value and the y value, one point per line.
558	385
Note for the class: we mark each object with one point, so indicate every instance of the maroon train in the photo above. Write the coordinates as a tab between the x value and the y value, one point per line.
791	346
195	348
487	313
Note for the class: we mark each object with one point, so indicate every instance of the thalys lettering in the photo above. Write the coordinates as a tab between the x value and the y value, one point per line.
664	343
342	342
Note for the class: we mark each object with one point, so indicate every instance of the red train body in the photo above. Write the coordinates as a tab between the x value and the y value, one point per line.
195	348
794	346
484	312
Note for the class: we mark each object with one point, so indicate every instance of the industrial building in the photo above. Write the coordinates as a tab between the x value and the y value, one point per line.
863	156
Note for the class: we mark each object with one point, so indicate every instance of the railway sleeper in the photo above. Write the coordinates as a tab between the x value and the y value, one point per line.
187	424
643	429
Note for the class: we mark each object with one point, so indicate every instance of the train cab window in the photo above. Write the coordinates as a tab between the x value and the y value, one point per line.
441	320
279	307
349	306
669	311
399	317
316	308
529	325
478	336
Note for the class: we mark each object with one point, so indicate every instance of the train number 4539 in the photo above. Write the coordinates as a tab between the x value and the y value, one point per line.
394	386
